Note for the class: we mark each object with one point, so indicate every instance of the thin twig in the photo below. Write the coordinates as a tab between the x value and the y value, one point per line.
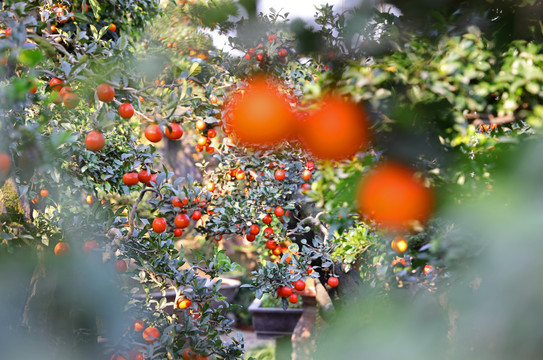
133	211
488	119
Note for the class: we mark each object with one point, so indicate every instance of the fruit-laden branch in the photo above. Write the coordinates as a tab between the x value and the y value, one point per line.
133	211
488	119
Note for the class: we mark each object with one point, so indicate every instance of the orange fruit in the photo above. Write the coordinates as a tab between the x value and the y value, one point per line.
44	193
70	100
138	325
182	221
153	133
173	131
112	27
89	199
56	84
210	187
105	92
144	176
62	249
391	196
183	303
399	244
126	111
333	281
120	266
337	130
159	225
151	334
130	178
261	115
200	125
188	354
89	245
95	141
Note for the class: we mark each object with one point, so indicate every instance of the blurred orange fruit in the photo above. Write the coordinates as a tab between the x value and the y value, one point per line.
261	114
337	130
391	196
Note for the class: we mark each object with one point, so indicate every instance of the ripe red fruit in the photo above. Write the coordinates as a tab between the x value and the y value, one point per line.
5	164
211	133
120	266
70	100
267	219
428	269
8	32
279	175
153	179
153	133
62	249
299	285
178	232
89	245
151	334
44	193
138	325
175	133
271	244
112	27
126	111
188	354
240	174
259	56
144	176
306	175
272	38
176	202
130	178
284	291
293	299
95	141
282	53
310	166
337	130
105	92
182	221
261	115
277	251
200	125
255	229
159	225
306	187
268	232
333	281
56	84
210	187
183	303
279	211
196	215
203	141
250	237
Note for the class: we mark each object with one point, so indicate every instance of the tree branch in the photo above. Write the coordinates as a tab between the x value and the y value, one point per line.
488	119
133	211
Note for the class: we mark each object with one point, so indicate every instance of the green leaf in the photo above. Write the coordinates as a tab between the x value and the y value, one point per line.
30	57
